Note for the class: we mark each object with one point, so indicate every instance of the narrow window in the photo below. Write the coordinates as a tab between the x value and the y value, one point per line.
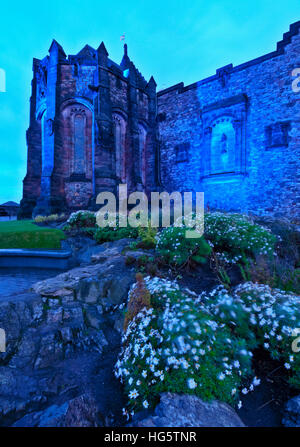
79	142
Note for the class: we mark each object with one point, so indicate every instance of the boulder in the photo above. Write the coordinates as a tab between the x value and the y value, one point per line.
82	411
175	410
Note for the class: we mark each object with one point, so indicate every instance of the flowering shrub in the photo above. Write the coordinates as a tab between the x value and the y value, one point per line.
235	237
204	346
82	219
263	317
175	248
52	218
176	345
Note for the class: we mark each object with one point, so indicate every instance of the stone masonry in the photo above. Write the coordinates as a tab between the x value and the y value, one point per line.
95	124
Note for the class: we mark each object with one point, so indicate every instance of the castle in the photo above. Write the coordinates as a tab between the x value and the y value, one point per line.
95	124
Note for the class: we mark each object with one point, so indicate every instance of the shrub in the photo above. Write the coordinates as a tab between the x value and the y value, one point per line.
51	218
107	234
81	219
177	346
175	248
204	346
147	235
235	237
139	299
263	317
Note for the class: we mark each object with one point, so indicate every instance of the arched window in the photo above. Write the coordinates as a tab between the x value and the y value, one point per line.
223	143
79	144
142	151
119	133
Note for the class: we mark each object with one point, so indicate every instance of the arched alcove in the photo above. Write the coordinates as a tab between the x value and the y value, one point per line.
120	153
223	146
142	152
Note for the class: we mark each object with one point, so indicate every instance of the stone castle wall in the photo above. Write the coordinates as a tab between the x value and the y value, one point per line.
252	113
95	124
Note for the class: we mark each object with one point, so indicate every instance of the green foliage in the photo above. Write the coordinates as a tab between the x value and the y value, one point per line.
25	234
147	235
175	345
235	237
52	218
175	248
263	317
81	219
204	346
107	234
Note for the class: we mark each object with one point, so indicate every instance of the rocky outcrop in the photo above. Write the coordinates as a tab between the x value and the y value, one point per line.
62	342
175	410
84	248
291	417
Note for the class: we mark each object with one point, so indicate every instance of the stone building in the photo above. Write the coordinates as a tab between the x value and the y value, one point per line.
235	135
92	127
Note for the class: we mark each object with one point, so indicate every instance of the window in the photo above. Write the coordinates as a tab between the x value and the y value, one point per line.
142	147
79	144
182	152
277	134
119	133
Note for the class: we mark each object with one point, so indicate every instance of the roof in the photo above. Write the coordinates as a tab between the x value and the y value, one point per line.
10	203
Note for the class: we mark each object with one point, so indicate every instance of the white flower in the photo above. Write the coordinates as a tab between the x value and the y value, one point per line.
287	365
145	404
244	391
256	381
144	373
221	376
133	394
192	384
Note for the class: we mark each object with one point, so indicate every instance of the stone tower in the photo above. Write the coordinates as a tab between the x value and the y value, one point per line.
92	127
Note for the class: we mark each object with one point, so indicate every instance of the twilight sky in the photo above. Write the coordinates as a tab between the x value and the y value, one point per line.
173	40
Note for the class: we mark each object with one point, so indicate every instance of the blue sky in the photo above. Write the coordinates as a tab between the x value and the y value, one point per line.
172	40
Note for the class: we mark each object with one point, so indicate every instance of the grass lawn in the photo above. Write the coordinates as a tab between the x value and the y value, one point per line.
25	234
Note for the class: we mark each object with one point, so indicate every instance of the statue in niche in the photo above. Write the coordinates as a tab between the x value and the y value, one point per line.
224	150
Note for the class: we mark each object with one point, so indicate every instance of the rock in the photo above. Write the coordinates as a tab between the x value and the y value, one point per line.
176	410
57	345
81	411
106	284
291	416
85	250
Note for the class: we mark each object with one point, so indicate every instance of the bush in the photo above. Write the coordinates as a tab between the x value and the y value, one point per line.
147	236
204	346
139	299
51	218
263	317
177	346
81	219
176	249
107	234
235	238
